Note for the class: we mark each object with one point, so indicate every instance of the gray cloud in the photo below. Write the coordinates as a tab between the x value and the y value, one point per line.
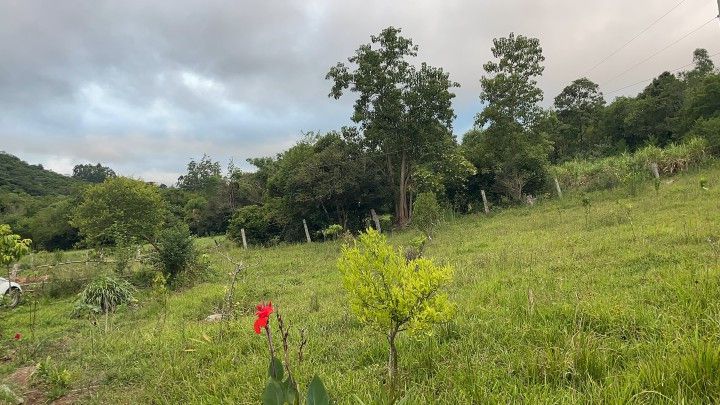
145	86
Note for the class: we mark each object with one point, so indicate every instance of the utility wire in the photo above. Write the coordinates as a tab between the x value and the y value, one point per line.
634	38
663	49
648	80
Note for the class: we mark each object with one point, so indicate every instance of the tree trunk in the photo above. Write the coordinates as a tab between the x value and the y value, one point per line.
401	207
392	362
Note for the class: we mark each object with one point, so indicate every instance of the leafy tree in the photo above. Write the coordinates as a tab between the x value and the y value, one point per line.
426	213
578	108
655	113
391	293
514	142
202	176
120	206
92	173
50	226
405	112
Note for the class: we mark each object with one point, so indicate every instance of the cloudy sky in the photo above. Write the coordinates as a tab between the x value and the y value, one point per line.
145	86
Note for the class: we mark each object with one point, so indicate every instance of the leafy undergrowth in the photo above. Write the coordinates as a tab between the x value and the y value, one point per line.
613	301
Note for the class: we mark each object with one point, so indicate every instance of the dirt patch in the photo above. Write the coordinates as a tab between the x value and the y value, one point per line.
21	377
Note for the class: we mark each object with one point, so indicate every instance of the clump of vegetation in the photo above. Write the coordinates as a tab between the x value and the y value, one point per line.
426	213
103	295
57	380
332	231
176	251
393	294
257	222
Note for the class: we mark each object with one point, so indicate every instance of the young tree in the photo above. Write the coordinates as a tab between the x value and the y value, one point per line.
391	293
514	140
405	112
426	213
12	248
92	173
120	207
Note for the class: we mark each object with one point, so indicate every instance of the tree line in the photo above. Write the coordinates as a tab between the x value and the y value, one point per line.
401	143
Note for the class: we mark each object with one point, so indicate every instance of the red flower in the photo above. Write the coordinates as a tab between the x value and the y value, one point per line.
18	336
263	313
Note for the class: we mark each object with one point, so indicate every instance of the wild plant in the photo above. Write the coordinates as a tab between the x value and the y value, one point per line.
282	388
393	294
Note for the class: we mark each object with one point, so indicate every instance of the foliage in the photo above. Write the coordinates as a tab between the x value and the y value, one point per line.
391	293
93	173
12	246
204	175
426	213
578	109
58	380
256	220
586	175
104	295
176	251
404	111
18	176
709	130
332	231
123	206
512	148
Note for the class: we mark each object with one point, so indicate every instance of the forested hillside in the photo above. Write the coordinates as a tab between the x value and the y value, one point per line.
18	176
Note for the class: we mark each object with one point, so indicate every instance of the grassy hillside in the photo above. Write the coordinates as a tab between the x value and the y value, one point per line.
18	176
556	303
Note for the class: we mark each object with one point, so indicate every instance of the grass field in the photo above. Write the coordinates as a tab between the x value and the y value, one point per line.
558	303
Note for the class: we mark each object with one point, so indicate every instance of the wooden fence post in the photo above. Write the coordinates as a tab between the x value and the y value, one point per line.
557	188
242	233
307	233
654	170
375	219
485	201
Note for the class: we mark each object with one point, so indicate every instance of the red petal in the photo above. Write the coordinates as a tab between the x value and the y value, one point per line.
258	325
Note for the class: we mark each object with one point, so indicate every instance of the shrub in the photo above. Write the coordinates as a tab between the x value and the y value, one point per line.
426	213
391	293
332	231
257	222
176	251
103	295
709	130
386	222
57	379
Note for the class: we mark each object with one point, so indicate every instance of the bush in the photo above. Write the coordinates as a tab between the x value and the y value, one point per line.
257	222
104	295
426	213
332	231
175	251
709	130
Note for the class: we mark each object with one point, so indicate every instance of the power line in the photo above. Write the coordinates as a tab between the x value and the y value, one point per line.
663	49
647	80
634	38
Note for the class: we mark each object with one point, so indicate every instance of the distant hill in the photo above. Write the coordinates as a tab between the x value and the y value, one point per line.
20	177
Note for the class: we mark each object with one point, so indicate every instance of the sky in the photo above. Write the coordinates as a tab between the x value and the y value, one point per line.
144	87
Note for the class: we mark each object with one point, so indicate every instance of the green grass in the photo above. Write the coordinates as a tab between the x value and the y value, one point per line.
553	306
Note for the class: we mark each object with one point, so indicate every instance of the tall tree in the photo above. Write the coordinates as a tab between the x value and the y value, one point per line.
405	112
514	141
578	108
92	173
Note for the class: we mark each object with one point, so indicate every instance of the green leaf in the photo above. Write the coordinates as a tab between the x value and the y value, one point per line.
316	394
275	369
292	396
273	394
